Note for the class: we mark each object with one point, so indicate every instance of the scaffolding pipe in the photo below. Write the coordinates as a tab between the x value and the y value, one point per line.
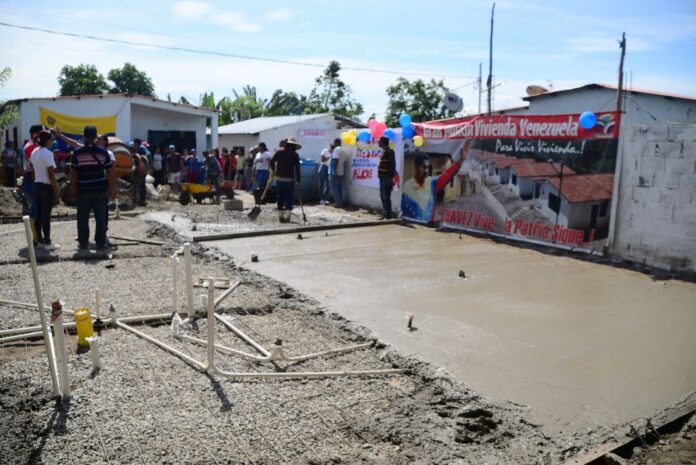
28	305
192	361
48	339
62	353
224	295
189	278
211	325
25	332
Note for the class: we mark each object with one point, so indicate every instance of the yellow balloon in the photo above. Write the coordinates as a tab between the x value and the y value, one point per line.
418	141
351	139
354	132
345	137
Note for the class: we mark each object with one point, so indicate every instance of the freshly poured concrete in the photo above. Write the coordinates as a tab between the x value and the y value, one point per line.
581	344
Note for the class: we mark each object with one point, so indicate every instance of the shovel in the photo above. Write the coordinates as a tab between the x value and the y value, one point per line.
254	213
299	192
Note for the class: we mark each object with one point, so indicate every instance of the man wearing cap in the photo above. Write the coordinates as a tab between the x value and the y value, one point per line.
142	168
175	165
285	165
9	162
93	183
386	170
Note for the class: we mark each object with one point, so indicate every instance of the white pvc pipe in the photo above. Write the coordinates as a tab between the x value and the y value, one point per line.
211	324
195	363
189	278
28	305
175	289
20	337
243	336
48	338
94	352
25	332
226	293
62	353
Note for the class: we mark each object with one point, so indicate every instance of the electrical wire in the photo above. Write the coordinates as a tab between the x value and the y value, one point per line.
228	55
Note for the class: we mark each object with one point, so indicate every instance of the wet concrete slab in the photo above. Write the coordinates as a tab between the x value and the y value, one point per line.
582	344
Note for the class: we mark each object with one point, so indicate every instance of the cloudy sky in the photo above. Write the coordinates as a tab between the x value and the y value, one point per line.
558	44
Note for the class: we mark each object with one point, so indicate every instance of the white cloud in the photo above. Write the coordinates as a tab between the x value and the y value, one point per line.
282	15
235	20
192	9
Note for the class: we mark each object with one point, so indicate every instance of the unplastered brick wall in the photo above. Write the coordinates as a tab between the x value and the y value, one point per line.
656	213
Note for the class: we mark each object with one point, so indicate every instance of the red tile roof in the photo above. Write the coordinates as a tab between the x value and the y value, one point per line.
540	170
585	187
502	163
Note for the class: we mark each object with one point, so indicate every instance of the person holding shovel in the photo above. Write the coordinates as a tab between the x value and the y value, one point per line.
285	166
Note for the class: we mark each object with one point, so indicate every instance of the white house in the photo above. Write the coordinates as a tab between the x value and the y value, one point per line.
526	179
157	121
582	202
313	132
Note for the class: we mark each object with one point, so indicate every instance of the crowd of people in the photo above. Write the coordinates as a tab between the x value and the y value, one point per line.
91	167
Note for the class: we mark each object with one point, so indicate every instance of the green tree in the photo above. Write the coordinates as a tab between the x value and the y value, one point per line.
246	105
130	79
423	101
184	100
8	111
81	80
331	94
283	103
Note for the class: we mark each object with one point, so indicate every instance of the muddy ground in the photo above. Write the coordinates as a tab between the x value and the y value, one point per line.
146	406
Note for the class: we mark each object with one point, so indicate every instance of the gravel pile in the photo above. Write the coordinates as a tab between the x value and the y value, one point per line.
147	406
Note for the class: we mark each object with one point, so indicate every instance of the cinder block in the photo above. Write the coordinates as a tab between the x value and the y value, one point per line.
651	164
682	132
667	149
657	133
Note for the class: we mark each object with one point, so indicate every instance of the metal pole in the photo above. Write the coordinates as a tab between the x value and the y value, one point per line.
560	193
619	92
489	82
48	338
480	90
175	291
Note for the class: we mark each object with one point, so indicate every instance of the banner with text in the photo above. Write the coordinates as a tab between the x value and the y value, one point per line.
536	178
365	162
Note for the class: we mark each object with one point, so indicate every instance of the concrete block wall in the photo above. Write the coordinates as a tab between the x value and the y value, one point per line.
656	211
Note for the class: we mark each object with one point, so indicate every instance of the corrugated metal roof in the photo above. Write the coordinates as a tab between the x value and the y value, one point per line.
264	123
609	87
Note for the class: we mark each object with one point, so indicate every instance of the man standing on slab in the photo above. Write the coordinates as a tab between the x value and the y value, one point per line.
386	172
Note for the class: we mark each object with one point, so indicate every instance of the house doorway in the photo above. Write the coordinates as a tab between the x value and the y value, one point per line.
179	139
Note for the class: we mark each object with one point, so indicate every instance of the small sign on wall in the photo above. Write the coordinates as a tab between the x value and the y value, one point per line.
312	133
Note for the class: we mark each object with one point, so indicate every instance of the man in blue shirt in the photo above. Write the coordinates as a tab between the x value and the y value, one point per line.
212	172
92	180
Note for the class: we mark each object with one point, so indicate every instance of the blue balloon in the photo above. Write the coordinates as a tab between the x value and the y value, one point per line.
364	136
390	134
588	120
405	120
408	132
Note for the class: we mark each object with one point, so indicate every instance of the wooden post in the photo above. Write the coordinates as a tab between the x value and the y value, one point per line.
489	82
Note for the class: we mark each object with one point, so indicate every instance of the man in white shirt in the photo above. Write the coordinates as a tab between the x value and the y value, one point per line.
263	157
324	175
45	189
338	164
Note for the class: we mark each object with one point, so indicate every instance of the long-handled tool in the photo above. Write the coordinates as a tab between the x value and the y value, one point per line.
254	213
299	195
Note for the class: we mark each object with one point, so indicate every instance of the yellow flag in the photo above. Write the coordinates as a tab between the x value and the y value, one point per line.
69	124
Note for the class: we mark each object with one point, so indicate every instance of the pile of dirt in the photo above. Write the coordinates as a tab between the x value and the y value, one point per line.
9	206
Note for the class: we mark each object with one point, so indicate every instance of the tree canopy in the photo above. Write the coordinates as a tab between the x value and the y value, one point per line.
331	95
130	79
423	101
81	80
8	112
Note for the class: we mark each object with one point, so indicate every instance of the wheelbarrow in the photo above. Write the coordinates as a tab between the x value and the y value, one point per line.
200	192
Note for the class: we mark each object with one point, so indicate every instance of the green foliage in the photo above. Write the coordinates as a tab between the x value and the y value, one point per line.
184	100
129	79
283	103
81	80
331	95
8	112
423	101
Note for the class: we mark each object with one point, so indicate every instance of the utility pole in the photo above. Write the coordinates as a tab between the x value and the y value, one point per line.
619	93
480	90
489	82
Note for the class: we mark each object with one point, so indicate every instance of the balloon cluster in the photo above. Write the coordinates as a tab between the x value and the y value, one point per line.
377	129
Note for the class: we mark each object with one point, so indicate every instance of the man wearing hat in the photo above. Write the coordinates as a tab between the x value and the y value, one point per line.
285	165
386	171
9	162
93	183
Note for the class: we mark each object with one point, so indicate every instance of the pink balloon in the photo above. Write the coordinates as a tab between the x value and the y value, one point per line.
372	124
379	130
